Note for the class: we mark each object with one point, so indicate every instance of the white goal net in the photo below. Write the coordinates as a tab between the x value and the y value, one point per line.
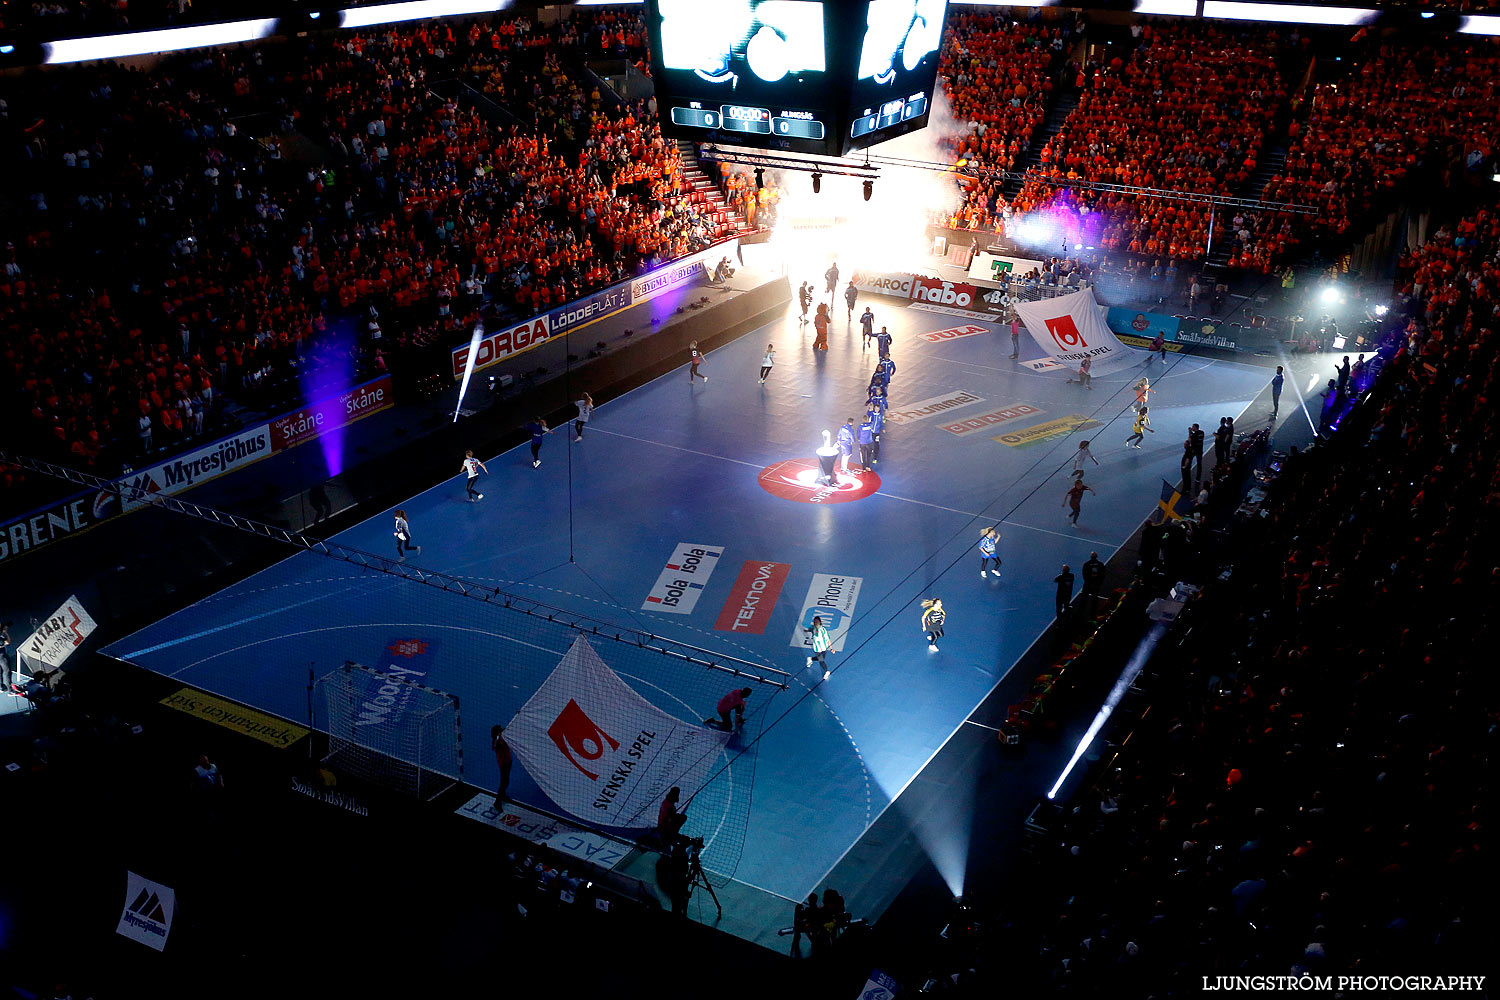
391	731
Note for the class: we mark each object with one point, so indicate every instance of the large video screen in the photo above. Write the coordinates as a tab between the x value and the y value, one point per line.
757	73
897	71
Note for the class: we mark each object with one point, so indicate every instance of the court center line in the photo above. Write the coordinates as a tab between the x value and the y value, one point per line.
968	513
690	451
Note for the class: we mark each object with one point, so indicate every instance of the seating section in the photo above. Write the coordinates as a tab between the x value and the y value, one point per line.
1188	110
1306	793
998	78
254	224
1403	111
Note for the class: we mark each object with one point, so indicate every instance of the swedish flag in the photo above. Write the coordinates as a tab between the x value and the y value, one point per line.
1173	506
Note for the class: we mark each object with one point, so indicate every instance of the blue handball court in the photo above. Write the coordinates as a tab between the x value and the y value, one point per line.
973	440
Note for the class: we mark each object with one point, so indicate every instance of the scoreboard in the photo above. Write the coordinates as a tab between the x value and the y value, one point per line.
809	76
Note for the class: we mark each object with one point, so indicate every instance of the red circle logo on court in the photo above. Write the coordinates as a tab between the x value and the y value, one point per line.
797	479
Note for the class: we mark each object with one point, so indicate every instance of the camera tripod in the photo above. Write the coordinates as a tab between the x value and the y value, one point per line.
697	877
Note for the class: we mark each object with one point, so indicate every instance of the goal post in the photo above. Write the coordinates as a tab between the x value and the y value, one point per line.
391	731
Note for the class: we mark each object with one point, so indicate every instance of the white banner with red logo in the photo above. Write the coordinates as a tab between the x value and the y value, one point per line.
601	751
1070	328
58	636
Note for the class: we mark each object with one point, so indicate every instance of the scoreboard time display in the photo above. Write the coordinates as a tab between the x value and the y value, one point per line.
808	76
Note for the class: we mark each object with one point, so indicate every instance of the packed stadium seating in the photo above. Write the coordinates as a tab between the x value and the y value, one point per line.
1188	110
1403	112
1305	794
998	77
367	216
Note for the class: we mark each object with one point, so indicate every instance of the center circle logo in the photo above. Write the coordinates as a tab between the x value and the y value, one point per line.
797	479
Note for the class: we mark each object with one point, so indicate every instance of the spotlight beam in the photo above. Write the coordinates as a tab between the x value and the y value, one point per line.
468	368
1127	677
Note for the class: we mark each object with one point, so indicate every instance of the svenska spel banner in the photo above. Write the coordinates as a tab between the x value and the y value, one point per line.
1070	328
601	751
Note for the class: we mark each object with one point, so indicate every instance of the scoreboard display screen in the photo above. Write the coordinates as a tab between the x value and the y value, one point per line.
897	71
747	72
806	76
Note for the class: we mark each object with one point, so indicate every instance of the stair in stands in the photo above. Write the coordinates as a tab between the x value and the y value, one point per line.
1062	107
1268	166
703	190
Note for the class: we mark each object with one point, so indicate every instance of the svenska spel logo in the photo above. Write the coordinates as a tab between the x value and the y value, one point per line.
577	735
798	479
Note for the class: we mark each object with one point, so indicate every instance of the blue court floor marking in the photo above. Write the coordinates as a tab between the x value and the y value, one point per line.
235	624
338	628
933	756
224	595
690	451
834	379
993	688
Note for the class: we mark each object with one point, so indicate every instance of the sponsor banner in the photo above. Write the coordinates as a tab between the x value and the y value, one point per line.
879	987
148	912
1070	328
752	598
896	283
55	639
924	408
1044	365
831	598
317	419
195	467
602	752
544	831
682	579
954	333
405	662
1206	333
597	306
495	347
987	420
670	276
998	267
76	514
246	721
995	302
84	510
1128	322
330	796
950	311
1061	427
797	479
937	292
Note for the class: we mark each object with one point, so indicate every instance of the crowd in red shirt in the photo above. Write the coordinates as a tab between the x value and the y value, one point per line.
1404	109
997	76
1305	798
169	258
1187	110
